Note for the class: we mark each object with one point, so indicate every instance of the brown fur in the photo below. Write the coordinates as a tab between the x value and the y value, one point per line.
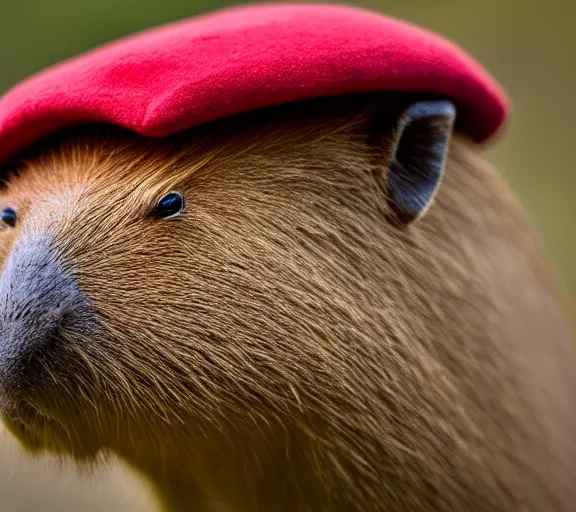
284	347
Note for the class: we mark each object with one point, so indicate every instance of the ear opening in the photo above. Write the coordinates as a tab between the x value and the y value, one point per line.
418	156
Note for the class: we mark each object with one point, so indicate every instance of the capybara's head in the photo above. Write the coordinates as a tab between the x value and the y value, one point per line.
304	278
231	275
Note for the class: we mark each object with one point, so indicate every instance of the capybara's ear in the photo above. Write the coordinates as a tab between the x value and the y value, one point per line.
417	155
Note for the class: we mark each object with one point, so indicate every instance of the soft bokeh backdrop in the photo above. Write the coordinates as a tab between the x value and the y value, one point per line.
529	45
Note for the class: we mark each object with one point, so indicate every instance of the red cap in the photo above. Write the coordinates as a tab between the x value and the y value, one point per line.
185	74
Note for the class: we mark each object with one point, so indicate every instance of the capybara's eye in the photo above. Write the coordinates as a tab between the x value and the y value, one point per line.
170	205
8	216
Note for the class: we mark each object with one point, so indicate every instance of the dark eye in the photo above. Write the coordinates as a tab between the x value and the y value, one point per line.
8	216
170	205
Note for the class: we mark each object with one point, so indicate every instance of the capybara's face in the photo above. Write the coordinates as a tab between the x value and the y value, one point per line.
195	282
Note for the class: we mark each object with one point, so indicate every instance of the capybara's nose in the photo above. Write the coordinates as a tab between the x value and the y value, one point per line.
38	300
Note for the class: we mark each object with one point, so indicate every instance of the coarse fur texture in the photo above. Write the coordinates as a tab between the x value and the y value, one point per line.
284	345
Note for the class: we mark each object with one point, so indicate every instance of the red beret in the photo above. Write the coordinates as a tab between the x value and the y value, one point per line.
182	75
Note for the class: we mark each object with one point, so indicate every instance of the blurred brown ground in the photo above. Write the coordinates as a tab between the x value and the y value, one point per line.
529	45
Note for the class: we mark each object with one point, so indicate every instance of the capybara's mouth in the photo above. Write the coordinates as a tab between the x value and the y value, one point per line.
38	432
29	425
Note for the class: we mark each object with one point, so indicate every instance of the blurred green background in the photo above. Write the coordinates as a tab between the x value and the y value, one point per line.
530	47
